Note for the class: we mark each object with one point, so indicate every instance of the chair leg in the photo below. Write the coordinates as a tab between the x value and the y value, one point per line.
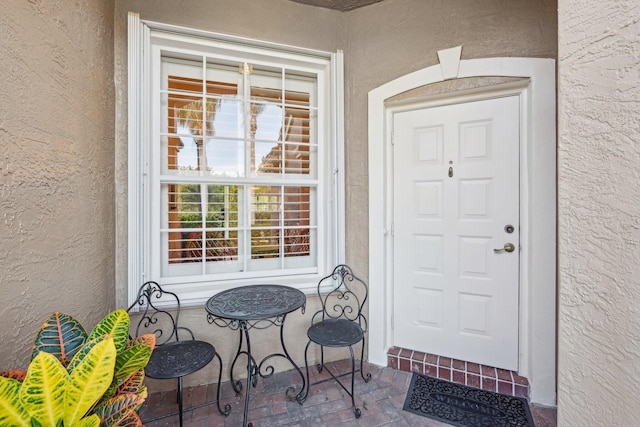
227	407
304	393
321	364
367	377
180	399
356	411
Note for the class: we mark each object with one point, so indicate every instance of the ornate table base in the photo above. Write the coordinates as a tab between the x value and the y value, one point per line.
256	307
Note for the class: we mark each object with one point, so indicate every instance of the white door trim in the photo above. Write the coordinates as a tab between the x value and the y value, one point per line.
537	207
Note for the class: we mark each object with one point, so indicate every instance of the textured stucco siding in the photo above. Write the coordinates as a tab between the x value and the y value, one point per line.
599	213
56	167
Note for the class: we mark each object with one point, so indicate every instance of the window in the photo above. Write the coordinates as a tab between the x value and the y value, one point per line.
234	150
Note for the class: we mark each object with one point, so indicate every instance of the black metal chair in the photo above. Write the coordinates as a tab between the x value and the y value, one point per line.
340	323
177	352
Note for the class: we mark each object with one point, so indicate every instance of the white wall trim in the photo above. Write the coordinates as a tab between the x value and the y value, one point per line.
337	91
450	61
137	132
538	213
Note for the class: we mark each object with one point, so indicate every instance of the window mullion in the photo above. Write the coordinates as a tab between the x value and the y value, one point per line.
281	233
246	129
246	105
243	86
202	169
284	133
246	227
284	114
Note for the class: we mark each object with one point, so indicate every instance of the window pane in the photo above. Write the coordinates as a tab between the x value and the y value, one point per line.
297	141
265	222
296	242
281	120
280	221
219	248
195	114
202	216
182	151
297	210
266	89
297	206
266	122
224	157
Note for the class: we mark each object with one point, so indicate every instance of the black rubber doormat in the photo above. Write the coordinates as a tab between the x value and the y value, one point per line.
464	406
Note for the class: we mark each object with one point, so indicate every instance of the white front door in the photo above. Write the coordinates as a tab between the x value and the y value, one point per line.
456	213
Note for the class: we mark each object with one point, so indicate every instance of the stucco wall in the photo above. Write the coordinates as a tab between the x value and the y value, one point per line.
599	213
56	167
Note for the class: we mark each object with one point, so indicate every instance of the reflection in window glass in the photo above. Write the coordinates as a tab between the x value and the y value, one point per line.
229	147
202	216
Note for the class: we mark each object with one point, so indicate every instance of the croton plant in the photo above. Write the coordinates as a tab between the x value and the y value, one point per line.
79	379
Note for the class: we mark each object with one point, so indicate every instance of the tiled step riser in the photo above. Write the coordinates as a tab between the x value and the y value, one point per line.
458	371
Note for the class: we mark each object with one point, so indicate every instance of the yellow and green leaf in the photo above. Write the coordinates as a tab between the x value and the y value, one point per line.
82	353
116	325
60	335
131	420
130	360
89	379
134	384
42	393
113	411
146	339
90	421
11	411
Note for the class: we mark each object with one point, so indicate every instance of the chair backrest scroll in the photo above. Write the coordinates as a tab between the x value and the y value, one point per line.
343	295
158	312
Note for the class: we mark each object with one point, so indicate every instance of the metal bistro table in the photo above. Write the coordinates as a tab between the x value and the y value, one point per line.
256	307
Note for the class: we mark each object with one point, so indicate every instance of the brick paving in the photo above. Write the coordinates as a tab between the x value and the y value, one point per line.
380	401
458	371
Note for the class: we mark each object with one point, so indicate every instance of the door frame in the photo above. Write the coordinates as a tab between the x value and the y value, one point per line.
537	331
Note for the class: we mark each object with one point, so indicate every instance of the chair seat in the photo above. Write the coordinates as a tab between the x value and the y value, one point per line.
179	358
335	333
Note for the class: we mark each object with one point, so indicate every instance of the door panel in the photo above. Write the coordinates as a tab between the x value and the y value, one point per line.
456	187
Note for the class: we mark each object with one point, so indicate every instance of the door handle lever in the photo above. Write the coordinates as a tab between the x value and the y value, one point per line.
508	247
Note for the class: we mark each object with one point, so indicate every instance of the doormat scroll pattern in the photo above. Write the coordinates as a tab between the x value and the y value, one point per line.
464	406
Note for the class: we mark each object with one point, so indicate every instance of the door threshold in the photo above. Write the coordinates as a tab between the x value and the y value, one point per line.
459	371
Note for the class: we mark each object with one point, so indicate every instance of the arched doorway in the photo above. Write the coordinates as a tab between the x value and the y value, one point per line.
537	271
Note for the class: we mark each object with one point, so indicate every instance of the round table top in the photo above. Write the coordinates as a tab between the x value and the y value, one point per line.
255	302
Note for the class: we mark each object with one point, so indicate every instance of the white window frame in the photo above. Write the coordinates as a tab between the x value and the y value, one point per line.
146	39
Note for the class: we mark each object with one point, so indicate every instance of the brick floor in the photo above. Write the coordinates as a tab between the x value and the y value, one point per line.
380	401
458	371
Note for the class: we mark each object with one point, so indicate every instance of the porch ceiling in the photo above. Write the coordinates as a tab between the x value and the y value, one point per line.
341	5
